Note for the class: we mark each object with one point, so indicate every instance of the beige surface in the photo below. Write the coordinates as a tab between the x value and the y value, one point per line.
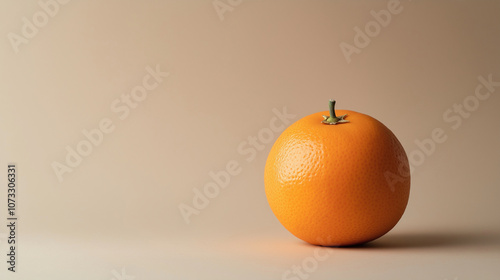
229	78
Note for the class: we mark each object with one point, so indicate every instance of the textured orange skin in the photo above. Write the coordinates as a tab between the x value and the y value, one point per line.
326	184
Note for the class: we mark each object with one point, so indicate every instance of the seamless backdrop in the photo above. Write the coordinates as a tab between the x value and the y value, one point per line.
117	113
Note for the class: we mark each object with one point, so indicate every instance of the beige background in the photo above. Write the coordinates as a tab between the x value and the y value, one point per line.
119	209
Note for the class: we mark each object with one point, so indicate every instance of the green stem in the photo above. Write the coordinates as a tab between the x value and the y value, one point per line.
331	104
333	119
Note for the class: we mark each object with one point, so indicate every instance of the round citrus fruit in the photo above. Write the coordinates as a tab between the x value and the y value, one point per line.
337	185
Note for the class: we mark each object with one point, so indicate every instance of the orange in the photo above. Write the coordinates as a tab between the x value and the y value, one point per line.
337	185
